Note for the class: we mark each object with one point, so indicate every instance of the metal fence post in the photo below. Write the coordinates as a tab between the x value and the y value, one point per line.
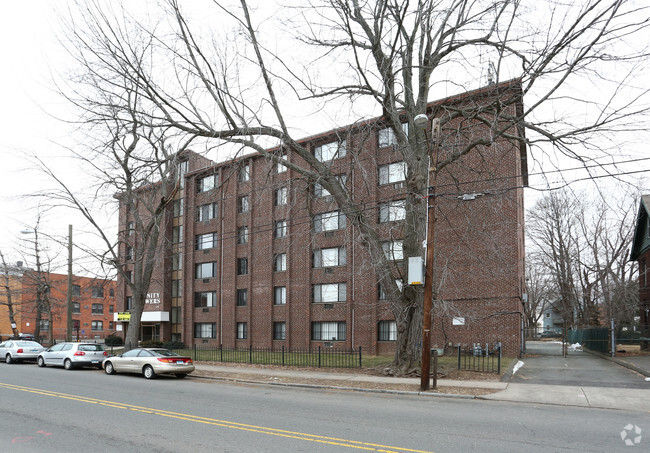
459	357
282	355
194	351
319	357
435	370
360	357
250	353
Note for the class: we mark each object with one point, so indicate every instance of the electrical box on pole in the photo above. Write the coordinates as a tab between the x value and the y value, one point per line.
416	271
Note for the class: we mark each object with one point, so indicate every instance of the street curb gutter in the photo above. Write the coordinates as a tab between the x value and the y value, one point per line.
620	362
334	387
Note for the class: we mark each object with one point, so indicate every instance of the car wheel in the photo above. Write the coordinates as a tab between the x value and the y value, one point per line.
108	368
40	361
9	359
148	372
67	364
181	375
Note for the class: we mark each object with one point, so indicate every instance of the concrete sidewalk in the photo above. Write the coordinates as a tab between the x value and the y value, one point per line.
563	395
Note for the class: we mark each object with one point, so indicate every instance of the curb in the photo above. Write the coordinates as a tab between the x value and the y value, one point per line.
334	387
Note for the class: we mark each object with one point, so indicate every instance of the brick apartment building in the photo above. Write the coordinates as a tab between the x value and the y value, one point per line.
93	302
640	252
260	256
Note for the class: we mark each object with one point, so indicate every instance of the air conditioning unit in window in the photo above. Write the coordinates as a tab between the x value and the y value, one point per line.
328	270
206	280
328	344
328	306
204	341
206	251
398	185
206	310
329	234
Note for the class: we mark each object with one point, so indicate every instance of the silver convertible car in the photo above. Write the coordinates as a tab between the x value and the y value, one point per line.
149	362
13	351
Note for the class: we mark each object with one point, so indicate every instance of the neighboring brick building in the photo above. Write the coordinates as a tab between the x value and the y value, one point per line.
259	256
640	253
93	306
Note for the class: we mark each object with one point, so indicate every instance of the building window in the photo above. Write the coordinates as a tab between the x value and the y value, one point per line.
245	172
97	309
111	292
279	330
129	303
206	212
243	204
111	325
329	257
97	325
329	221
280	295
177	288
207	183
393	250
320	191
176	315
205	330
242	297
76	307
387	331
182	170
177	261
242	266
206	241
111	308
279	167
178	207
45	325
392	211
281	196
76	290
386	137
329	292
329	151
129	276
130	229
280	229
242	235
392	173
206	270
381	292
242	330
205	299
177	234
129	253
98	292
280	262
328	331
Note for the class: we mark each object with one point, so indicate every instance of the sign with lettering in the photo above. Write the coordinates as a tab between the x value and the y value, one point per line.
124	316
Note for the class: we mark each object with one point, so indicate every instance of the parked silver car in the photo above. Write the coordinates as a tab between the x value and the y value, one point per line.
73	355
13	351
149	362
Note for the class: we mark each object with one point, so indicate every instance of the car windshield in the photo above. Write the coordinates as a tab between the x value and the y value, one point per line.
164	353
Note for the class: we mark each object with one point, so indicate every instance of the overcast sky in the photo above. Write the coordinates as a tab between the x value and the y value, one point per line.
31	57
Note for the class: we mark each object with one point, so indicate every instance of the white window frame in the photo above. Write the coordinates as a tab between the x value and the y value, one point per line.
328	331
330	257
326	293
330	151
329	221
393	250
205	270
242	235
387	327
321	192
243	204
207	212
280	229
280	334
392	211
386	137
280	295
280	262
245	172
207	183
281	196
392	173
205	330
206	241
210	298
242	331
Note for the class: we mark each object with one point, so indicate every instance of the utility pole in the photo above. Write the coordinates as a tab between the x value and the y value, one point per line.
421	121
68	333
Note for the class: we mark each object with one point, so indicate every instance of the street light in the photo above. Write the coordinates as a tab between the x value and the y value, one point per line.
421	122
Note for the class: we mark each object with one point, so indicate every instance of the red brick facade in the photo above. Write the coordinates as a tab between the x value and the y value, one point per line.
479	250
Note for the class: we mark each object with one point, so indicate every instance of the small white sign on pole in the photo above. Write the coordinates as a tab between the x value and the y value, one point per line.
416	271
458	321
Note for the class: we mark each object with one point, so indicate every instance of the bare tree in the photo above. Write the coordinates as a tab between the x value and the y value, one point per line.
167	78
9	291
539	289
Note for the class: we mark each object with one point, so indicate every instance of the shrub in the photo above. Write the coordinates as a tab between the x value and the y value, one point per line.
113	340
151	344
174	345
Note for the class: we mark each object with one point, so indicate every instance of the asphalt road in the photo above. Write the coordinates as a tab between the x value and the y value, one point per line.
54	410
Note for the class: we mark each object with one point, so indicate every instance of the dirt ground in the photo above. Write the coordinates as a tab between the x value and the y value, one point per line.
239	376
626	350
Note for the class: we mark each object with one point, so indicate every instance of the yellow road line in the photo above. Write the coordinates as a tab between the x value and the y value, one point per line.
221	423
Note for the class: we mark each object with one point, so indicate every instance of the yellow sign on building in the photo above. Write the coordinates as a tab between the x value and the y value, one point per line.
124	316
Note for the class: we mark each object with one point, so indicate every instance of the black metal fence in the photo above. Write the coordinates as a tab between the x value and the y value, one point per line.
316	357
480	357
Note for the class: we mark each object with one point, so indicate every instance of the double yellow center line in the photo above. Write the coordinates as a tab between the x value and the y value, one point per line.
221	423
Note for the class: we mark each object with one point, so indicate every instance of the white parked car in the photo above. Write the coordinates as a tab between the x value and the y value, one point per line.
73	355
13	351
149	362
